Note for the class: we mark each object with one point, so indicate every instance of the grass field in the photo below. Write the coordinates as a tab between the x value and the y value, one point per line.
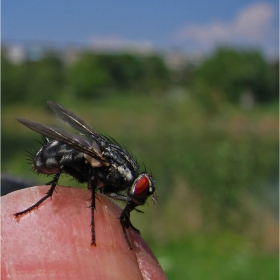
202	258
217	206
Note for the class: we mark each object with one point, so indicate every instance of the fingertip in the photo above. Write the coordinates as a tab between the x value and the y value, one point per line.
147	262
56	238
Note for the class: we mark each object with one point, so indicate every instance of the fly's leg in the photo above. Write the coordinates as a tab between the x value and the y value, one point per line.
48	194
121	197
92	187
125	221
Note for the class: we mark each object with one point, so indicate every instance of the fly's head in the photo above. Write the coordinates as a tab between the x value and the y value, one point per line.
141	189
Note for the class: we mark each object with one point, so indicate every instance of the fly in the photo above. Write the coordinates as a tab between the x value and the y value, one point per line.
90	158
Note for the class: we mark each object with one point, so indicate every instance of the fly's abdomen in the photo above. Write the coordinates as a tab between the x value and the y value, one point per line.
52	156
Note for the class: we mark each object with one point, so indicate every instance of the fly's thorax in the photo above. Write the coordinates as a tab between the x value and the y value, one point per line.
125	172
124	166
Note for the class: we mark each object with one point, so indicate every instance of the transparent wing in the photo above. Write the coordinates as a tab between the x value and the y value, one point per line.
73	140
74	121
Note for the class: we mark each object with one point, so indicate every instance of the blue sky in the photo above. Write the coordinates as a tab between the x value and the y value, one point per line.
191	26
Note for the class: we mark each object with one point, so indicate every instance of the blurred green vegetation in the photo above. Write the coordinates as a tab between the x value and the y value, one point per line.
208	131
230	74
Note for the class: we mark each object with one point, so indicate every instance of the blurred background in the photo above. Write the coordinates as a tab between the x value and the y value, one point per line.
191	88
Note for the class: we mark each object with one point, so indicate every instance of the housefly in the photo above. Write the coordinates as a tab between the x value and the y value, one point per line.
90	158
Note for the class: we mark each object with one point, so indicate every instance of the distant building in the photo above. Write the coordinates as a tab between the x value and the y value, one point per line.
18	53
15	54
177	60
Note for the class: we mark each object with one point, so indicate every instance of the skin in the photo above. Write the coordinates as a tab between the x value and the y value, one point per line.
53	241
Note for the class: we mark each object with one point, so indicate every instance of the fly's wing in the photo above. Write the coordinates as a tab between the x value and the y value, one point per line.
73	140
78	124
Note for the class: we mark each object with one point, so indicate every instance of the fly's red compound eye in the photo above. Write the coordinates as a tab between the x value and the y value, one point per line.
141	185
141	189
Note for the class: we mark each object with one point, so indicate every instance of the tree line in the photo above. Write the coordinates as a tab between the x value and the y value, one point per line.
225	76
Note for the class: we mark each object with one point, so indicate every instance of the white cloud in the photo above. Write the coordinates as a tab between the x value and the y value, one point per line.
254	23
117	43
252	26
